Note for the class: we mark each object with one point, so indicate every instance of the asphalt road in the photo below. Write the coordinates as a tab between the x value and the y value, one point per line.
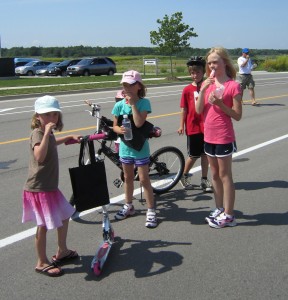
182	258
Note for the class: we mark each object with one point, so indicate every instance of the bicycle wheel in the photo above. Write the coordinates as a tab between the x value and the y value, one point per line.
166	168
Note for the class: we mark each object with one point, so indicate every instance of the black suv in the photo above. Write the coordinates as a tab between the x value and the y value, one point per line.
61	68
93	66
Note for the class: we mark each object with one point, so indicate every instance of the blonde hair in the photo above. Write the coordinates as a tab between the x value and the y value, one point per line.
35	123
223	53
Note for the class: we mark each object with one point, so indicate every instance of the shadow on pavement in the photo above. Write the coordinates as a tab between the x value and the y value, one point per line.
138	257
274	219
261	185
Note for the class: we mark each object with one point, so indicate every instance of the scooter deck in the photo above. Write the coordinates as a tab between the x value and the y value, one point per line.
100	257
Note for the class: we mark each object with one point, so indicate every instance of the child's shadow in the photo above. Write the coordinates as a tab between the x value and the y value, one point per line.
261	185
274	219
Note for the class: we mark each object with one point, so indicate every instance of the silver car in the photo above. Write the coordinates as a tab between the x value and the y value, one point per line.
31	68
93	66
44	71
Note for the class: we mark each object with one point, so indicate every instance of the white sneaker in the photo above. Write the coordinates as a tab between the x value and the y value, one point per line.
214	214
151	219
222	221
125	212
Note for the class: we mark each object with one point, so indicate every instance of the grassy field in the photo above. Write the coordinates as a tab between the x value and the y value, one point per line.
29	85
34	84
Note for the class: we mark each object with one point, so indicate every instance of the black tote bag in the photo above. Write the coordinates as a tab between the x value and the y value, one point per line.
89	182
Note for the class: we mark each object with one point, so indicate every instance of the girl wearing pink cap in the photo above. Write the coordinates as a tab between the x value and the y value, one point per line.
137	107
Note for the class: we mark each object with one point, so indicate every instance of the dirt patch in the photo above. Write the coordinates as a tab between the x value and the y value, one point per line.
172	78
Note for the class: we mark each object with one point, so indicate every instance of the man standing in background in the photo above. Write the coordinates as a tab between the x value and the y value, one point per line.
245	77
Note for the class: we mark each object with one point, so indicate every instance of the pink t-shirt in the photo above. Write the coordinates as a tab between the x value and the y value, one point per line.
218	127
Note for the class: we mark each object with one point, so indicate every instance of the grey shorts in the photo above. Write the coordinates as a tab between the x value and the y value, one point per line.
246	80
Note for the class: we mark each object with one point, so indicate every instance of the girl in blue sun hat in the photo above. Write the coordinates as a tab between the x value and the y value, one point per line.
43	202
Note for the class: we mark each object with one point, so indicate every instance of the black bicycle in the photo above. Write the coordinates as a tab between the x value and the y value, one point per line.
166	164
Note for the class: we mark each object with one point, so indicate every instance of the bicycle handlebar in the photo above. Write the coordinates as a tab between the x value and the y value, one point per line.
92	137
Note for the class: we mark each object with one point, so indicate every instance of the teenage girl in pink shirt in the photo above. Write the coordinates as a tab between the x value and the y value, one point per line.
220	101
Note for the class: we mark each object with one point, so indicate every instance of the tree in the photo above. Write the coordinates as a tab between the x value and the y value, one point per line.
172	36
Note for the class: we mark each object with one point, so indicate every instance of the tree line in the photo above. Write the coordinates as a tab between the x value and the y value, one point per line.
85	51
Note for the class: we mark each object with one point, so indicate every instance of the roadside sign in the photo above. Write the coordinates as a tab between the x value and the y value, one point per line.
151	62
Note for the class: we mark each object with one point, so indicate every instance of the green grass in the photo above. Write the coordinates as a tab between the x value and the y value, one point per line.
123	63
26	85
42	85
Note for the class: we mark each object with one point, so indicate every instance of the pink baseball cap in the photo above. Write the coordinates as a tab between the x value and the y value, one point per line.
131	77
120	94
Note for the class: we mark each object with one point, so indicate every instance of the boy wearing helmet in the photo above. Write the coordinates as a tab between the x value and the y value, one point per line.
192	124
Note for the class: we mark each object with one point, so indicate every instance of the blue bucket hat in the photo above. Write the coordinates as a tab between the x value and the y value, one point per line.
46	104
245	50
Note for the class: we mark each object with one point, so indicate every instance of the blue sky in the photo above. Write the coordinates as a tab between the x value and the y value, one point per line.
255	24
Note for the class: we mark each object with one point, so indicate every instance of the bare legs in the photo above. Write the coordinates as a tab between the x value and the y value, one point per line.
62	238
224	190
144	180
40	245
190	161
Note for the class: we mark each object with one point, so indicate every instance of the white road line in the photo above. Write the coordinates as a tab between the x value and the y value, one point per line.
31	232
7	109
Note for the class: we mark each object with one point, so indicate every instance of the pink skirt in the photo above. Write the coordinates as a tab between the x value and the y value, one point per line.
46	208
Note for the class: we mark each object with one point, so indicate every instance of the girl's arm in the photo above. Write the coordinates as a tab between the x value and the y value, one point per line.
64	139
235	112
40	150
139	118
200	103
117	129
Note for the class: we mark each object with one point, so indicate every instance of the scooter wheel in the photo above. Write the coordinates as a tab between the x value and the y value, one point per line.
97	269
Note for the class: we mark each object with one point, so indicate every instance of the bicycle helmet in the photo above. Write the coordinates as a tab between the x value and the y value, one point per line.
196	60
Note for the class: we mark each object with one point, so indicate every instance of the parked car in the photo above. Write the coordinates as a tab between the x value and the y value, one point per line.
93	66
45	70
31	68
22	61
61	68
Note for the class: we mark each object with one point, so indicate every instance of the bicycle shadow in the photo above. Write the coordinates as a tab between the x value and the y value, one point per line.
170	211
